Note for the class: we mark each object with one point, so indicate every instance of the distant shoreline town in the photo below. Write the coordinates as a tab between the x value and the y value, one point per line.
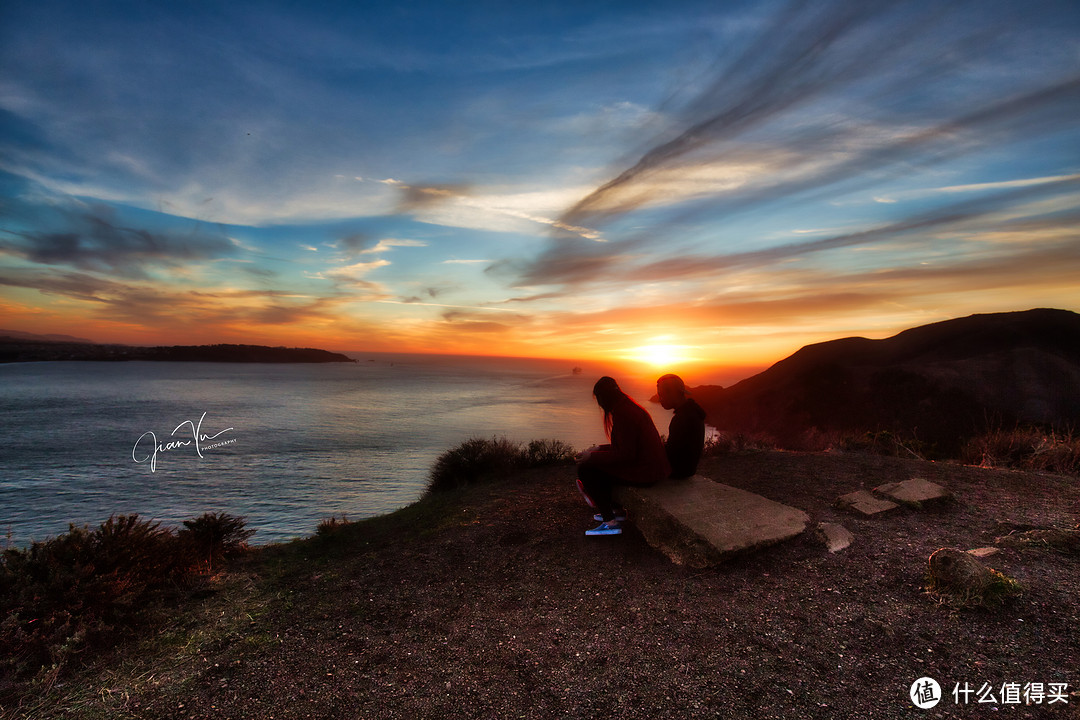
38	349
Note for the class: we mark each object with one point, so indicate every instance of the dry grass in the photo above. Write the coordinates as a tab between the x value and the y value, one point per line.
1026	449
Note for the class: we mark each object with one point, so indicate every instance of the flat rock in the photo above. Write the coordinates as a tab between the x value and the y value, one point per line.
699	522
865	502
915	491
984	552
835	536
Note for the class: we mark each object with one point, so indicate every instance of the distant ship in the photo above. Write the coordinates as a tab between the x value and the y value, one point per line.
577	371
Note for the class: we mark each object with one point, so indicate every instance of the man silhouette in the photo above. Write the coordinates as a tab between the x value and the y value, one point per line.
686	433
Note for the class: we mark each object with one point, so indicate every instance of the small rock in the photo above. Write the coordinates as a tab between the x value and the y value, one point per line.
984	552
862	501
915	492
836	537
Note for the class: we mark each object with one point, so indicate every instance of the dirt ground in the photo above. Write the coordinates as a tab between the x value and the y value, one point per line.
496	605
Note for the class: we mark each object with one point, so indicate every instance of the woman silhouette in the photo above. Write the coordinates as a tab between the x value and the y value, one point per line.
635	456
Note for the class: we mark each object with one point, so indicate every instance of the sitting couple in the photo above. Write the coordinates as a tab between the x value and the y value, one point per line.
636	454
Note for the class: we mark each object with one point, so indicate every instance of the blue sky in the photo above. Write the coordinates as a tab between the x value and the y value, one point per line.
722	182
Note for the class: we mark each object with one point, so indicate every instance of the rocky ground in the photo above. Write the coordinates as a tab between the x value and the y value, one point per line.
492	604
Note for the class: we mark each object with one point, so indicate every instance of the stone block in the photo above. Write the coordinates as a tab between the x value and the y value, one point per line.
865	503
834	536
699	522
915	492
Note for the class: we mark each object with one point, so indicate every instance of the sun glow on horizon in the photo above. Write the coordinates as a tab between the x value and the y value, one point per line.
660	355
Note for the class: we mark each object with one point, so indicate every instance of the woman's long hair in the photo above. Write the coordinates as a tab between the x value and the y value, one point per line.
608	394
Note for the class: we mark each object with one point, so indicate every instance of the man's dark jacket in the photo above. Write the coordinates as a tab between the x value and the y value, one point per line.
686	439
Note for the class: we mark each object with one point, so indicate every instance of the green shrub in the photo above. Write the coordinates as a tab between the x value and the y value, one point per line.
78	590
476	460
330	526
473	460
213	537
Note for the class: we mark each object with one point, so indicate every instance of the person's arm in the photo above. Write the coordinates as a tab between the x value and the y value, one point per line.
588	452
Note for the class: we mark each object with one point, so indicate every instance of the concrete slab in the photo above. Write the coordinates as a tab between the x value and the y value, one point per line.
836	537
865	503
699	522
915	492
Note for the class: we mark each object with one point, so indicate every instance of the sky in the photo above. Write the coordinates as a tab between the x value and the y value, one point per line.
678	183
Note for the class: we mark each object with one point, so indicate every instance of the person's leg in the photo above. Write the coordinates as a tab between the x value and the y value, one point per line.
597	485
581	489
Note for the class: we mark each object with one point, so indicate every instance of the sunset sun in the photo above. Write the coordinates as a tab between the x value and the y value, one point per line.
660	355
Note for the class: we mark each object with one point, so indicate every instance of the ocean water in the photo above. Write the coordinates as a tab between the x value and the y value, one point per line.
284	446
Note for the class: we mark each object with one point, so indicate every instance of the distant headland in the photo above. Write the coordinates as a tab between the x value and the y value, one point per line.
25	347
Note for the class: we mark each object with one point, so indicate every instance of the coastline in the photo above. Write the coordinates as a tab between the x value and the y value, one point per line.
17	350
489	602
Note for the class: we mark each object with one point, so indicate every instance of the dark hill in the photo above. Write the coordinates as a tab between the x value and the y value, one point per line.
17	350
939	383
18	335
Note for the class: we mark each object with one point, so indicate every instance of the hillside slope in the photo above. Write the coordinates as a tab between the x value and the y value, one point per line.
940	383
489	602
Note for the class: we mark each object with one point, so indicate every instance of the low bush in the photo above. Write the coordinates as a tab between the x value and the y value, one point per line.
724	443
81	589
883	442
539	453
213	537
1025	449
328	526
478	459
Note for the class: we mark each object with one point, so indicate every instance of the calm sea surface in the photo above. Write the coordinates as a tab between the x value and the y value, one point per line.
285	446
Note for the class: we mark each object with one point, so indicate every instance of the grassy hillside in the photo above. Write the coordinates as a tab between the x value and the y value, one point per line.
488	601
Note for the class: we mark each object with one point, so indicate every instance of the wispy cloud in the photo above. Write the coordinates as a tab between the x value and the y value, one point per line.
964	216
977	187
417	301
626	262
96	240
170	308
389	243
351	280
766	97
458	206
757	133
